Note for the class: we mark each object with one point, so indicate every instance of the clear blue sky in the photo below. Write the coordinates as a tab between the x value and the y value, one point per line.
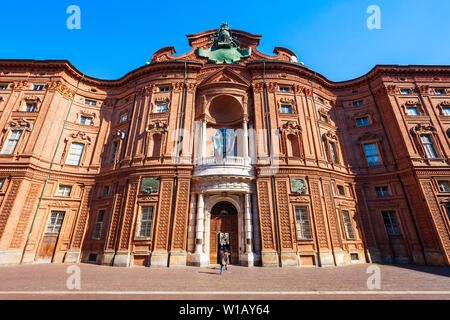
330	37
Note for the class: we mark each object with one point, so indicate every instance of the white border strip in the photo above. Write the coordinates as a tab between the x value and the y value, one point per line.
76	292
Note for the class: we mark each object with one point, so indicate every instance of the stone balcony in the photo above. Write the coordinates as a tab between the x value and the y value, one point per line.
229	166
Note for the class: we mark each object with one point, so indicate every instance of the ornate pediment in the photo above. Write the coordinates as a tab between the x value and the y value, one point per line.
291	127
80	135
369	136
157	126
422	128
225	76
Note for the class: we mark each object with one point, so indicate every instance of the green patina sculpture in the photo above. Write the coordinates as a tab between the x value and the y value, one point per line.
298	186
150	185
225	47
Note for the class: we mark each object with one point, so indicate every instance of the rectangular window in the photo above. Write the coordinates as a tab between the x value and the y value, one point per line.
97	233
145	223
64	191
75	153
371	152
90	102
123	117
362	122
405	91
321	100
286	108
446	111
86	120
105	191
444	186
114	147
3	86
439	91
2	183
391	223
349	230
164	88
382	191
285	89
429	147
340	190
333	152
323	117
31	107
38	87
162	107
55	222
447	208
412	111
11	142
304	230
358	103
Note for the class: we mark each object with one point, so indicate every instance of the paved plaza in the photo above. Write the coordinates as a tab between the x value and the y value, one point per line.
50	281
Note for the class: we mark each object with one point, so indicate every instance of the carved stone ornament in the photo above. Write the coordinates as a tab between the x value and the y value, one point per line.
291	127
298	186
20	124
368	136
119	134
32	98
158	126
422	128
81	136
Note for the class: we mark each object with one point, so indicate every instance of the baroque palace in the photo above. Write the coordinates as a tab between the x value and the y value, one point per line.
224	144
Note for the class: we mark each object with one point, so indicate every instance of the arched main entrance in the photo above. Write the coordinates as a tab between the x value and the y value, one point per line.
224	219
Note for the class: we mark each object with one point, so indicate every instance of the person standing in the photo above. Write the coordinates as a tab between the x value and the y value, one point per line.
223	259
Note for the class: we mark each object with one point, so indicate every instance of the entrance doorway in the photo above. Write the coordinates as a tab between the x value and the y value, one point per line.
224	219
51	235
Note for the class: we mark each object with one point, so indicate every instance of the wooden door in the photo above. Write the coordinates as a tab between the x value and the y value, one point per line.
48	244
225	223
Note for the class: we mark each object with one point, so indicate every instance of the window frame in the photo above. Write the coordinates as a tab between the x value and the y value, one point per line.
395	230
445	189
54	227
86	117
58	194
149	222
282	88
382	193
285	107
80	156
431	143
375	143
364	124
350	231
158	105
357	103
5	144
98	225
38	87
301	225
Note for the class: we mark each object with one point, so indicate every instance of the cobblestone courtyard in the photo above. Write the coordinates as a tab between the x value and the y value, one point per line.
102	282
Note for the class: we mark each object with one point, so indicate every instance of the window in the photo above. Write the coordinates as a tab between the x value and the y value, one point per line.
162	107
429	147
38	87
382	191
164	88
358	103
3	86
371	152
11	142
123	117
114	147
145	223
86	120
412	111
354	256
349	230
333	152
224	143
97	233
340	190
444	186
321	100
105	191
90	102
2	183
391	223
64	191
31	107
323	117
446	111
55	222
75	153
405	91
286	108
439	91
304	230
284	88
362	122
447	208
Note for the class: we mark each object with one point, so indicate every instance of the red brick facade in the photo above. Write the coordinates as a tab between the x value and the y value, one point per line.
319	172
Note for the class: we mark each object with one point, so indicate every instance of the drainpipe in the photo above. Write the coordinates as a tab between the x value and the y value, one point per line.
269	140
177	160
398	175
51	165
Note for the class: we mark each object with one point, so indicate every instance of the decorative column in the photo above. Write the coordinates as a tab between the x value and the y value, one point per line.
245	139
248	256
199	258
203	138
256	232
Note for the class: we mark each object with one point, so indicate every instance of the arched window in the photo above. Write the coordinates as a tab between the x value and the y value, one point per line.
224	142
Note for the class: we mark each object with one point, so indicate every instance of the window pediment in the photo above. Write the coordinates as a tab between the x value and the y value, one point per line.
369	136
